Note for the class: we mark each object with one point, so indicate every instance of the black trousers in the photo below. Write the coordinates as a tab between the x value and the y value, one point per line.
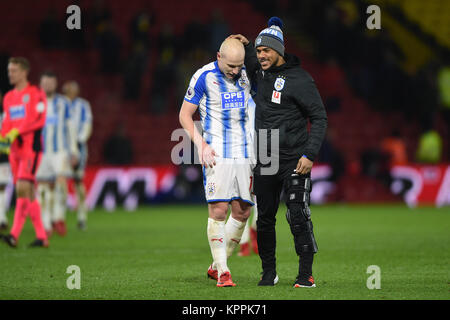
268	189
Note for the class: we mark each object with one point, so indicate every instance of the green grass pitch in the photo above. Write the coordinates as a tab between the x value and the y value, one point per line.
161	252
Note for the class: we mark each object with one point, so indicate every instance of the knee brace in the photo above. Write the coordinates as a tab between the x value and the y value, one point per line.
298	215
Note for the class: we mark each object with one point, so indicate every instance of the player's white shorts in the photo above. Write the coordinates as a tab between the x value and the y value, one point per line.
53	165
5	173
229	179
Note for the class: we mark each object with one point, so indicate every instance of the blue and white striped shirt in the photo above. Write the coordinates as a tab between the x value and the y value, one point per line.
57	130
224	112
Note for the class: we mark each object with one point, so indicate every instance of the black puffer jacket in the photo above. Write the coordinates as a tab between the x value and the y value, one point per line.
298	102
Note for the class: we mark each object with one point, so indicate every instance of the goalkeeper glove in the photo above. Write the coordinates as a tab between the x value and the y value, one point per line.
5	145
6	141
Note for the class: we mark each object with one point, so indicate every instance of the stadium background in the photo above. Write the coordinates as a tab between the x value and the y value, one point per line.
371	81
134	59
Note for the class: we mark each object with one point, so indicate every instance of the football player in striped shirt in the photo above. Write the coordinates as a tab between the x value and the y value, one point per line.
82	122
220	91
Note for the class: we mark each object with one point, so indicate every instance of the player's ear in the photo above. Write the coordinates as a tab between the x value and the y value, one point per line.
218	55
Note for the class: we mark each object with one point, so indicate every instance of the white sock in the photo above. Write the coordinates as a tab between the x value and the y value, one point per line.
218	244
234	230
60	202
45	198
81	196
3	217
246	234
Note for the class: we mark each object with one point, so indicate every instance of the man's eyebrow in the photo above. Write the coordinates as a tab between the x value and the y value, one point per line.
234	65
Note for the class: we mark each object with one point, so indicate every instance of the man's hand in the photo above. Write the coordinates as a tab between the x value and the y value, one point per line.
240	37
304	165
206	155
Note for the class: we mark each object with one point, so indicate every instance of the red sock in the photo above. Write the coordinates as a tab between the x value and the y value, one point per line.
35	213
20	215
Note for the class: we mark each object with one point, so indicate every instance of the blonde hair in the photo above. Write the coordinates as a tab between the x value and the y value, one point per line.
23	62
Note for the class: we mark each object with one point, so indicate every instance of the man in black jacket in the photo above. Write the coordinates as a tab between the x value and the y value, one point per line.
286	98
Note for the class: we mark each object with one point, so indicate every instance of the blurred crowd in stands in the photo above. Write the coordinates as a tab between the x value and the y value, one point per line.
371	62
177	56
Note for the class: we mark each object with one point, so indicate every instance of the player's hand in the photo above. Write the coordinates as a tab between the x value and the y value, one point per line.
206	156
240	37
304	166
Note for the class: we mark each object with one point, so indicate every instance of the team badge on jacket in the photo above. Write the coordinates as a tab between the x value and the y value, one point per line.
279	83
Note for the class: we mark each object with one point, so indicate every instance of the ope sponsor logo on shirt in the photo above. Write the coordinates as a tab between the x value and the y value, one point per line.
231	100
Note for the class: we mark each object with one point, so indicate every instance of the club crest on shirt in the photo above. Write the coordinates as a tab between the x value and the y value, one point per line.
243	82
211	188
26	98
279	83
